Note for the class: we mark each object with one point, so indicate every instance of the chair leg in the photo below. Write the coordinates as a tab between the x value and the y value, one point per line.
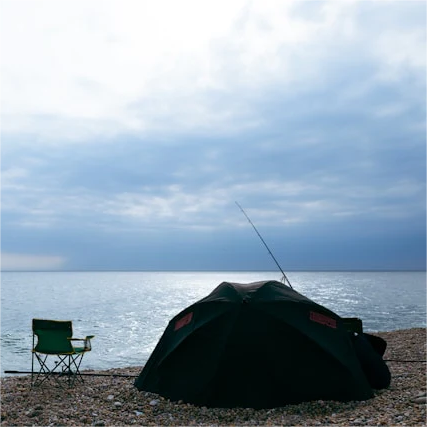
68	365
32	367
75	361
71	367
44	373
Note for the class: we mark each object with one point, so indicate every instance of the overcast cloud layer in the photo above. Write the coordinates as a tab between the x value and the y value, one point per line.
129	130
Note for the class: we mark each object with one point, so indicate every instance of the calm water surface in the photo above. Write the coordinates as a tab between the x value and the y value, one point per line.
128	311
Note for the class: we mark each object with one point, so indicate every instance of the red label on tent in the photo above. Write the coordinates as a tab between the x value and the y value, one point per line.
322	319
183	321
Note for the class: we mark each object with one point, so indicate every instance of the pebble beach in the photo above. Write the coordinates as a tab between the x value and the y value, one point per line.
114	401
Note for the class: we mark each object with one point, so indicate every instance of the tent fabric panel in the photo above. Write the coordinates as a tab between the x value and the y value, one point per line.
187	372
335	341
275	370
172	338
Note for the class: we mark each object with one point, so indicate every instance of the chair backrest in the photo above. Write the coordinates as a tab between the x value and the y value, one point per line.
52	336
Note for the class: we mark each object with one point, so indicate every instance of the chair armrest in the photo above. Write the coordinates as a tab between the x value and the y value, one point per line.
89	337
87	345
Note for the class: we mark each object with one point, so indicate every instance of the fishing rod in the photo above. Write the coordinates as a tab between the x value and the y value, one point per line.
268	249
87	374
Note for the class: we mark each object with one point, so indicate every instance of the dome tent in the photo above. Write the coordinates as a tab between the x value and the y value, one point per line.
258	345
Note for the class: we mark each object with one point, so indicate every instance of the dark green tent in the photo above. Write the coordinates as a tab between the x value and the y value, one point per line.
258	345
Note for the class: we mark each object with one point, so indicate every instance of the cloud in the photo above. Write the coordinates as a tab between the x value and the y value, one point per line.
155	118
130	71
17	262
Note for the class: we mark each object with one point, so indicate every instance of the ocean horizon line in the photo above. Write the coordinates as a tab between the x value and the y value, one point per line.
220	271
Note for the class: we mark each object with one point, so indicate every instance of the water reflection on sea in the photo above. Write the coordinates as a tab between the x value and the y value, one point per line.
128	311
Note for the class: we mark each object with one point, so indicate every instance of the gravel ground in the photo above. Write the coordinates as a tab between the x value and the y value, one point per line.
114	401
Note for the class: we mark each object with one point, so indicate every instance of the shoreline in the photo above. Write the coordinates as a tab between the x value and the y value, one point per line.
114	401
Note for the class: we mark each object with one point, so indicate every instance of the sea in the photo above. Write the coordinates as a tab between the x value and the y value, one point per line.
128	311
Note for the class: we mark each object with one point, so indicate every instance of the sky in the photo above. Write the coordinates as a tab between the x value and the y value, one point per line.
130	129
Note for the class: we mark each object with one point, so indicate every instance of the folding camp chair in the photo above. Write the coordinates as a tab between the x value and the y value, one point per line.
54	338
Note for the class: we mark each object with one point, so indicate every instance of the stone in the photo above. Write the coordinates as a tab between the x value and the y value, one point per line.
420	400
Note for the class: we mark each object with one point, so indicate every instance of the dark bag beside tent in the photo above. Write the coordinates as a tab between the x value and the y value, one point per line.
259	345
369	350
